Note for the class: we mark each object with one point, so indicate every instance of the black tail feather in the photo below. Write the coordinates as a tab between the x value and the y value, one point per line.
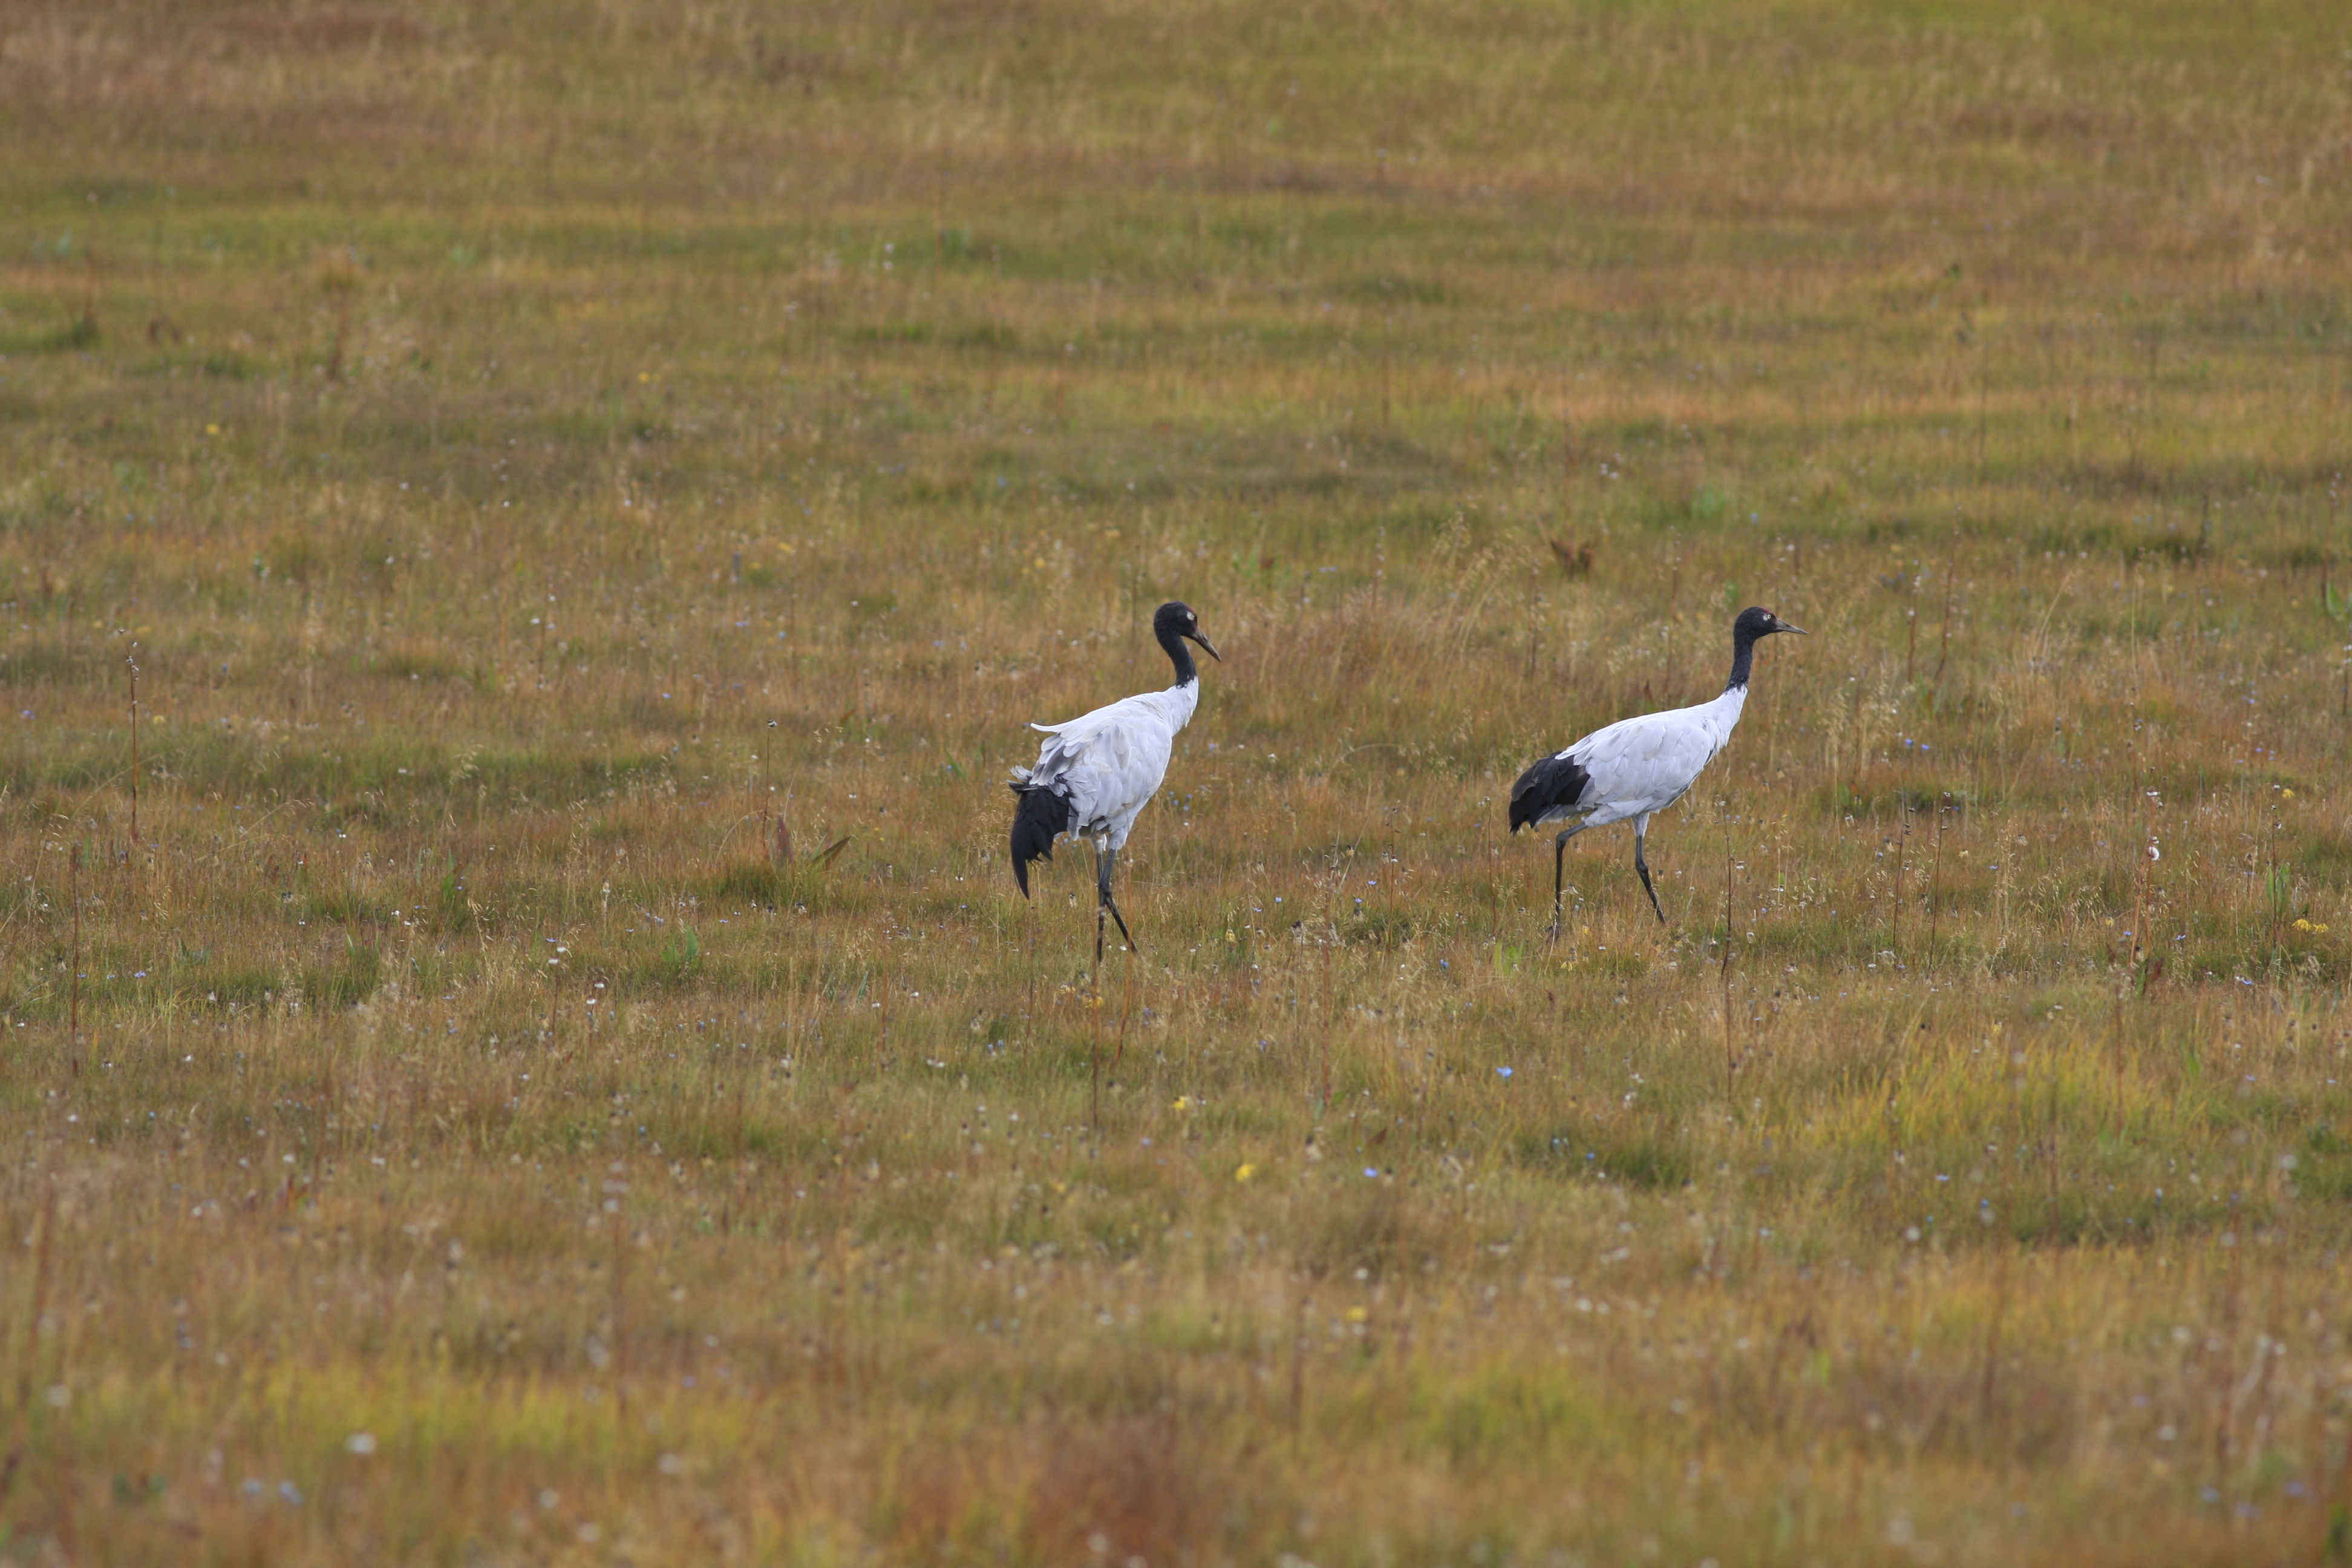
1040	819
1555	783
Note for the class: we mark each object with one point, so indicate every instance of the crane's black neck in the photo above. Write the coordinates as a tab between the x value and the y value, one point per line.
1743	656
1179	656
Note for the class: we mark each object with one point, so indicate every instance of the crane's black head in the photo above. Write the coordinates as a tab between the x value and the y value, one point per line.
1756	621
1172	624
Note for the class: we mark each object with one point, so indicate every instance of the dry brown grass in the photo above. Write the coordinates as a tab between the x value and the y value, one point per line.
532	452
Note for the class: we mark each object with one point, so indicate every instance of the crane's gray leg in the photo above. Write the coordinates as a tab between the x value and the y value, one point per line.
1641	833
1559	850
1102	895
1103	865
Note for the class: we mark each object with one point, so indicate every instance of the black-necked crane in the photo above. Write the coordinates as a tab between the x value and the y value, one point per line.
1095	774
1637	767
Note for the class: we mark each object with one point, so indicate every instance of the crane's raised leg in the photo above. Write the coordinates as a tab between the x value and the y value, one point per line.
1641	833
1560	850
1104	860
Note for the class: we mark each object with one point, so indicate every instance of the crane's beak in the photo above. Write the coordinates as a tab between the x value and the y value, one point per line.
1205	643
1785	627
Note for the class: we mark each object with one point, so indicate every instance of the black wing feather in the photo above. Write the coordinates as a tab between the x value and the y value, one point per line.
1554	783
1040	819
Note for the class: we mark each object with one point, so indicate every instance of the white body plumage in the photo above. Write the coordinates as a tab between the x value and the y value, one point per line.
1646	764
1109	764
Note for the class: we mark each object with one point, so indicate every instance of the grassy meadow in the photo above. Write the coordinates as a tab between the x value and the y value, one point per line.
520	1042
